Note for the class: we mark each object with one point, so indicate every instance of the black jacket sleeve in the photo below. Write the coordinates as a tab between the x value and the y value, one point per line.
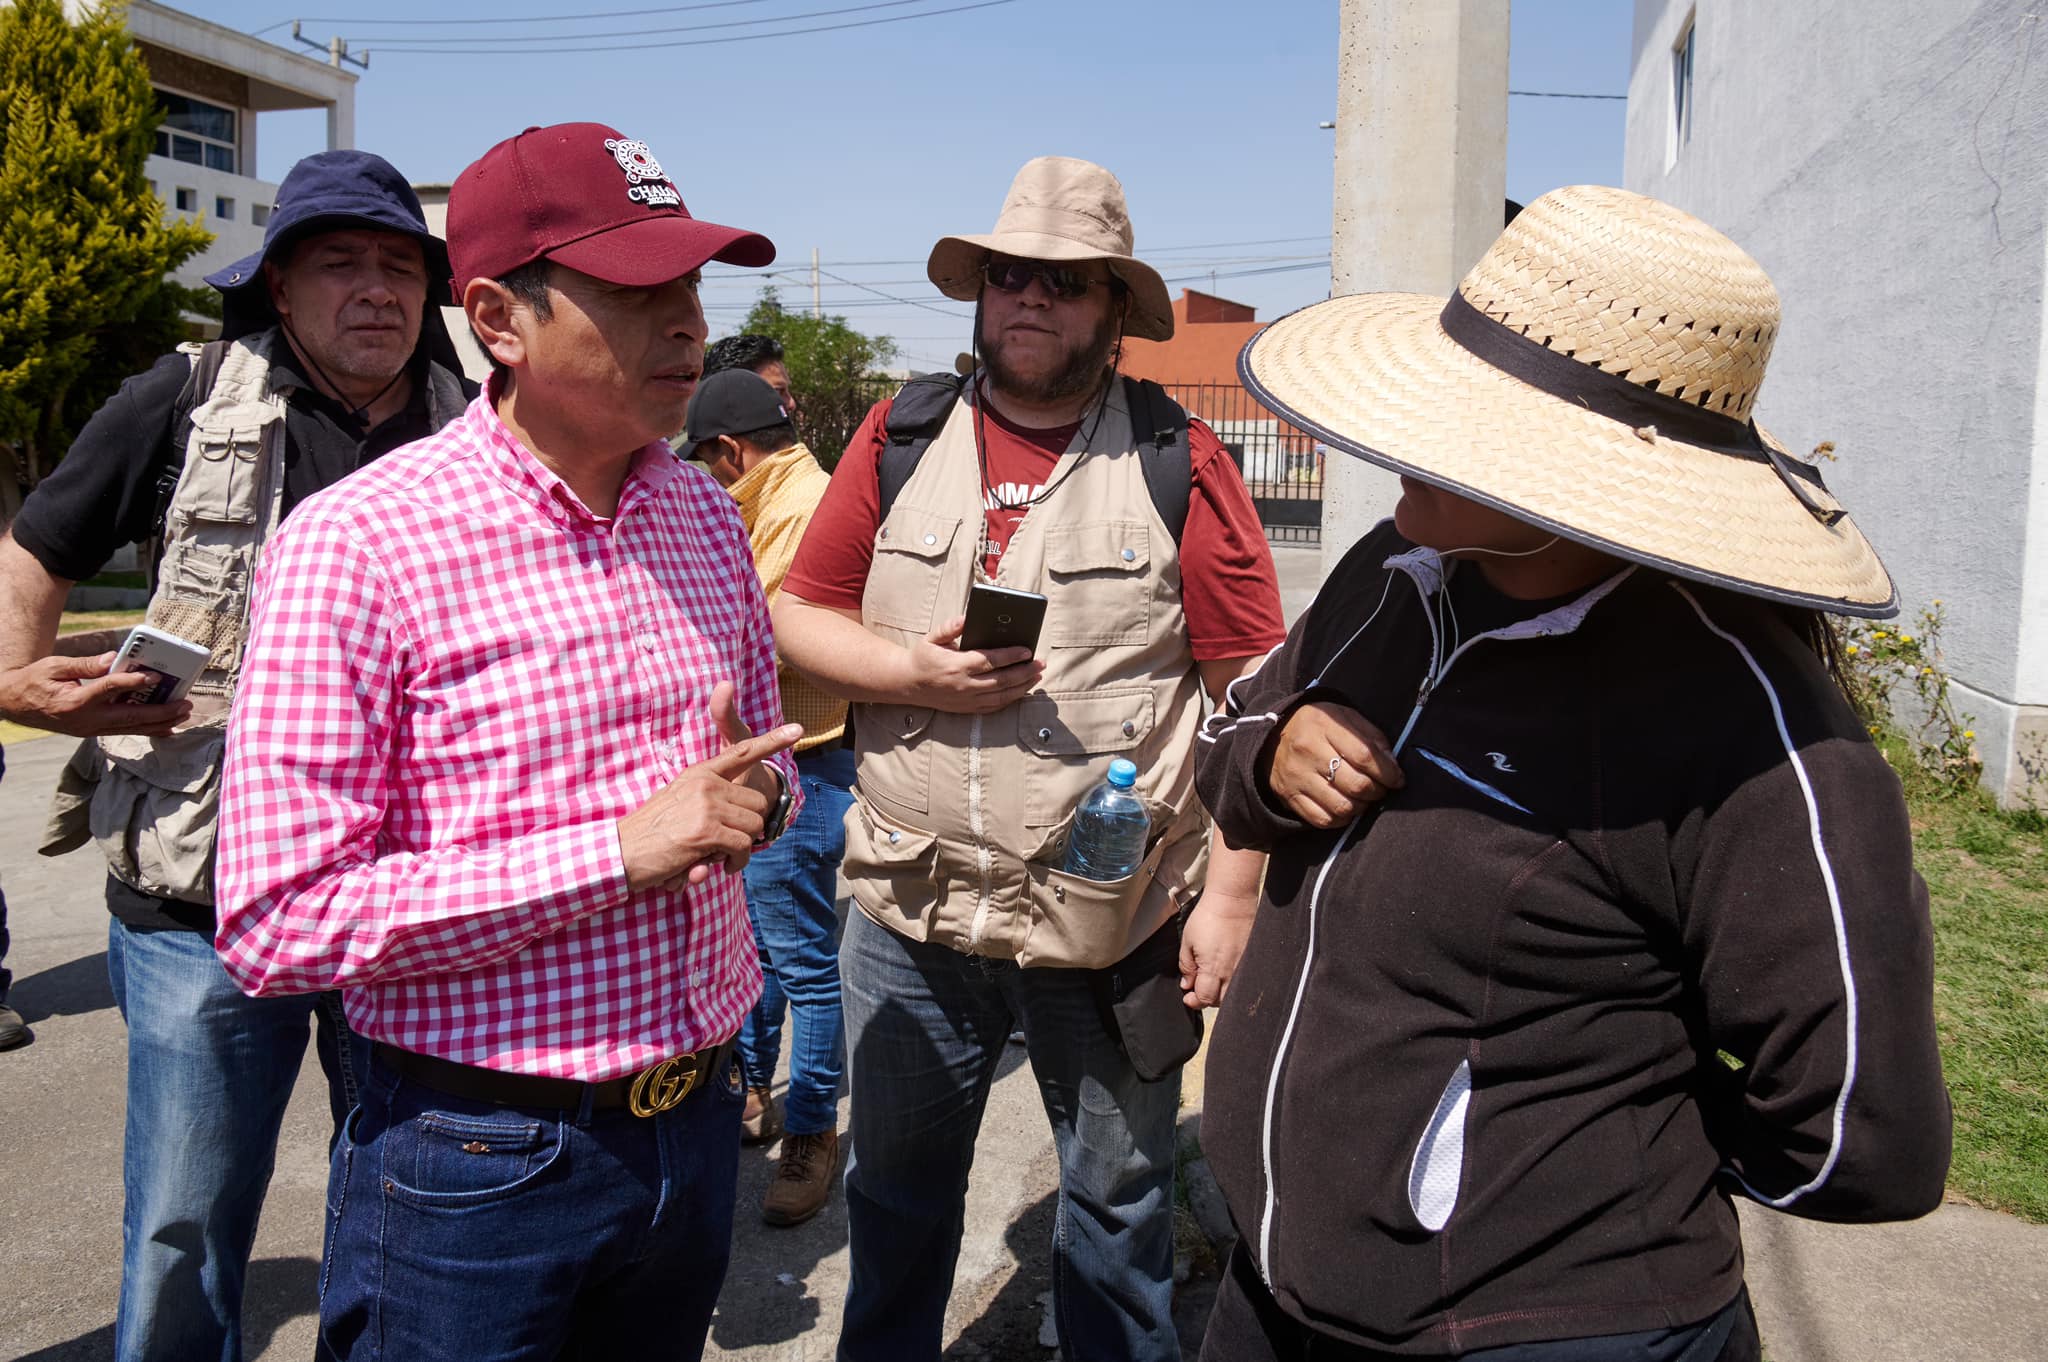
1806	934
1236	744
104	492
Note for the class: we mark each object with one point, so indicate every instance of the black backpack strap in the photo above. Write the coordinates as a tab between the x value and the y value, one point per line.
1161	426
922	405
916	415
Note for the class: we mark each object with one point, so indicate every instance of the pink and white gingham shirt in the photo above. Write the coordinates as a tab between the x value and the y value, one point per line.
458	680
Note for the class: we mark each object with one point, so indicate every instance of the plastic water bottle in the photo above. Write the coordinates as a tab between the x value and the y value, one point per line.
1108	837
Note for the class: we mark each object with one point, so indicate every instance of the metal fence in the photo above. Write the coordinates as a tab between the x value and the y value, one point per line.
1282	465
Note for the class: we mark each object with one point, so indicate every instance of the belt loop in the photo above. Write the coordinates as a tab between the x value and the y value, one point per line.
585	1105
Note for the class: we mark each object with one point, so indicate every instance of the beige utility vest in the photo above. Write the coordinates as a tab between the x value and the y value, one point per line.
960	821
155	805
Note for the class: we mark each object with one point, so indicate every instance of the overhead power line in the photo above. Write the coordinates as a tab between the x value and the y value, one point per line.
1560	94
536	19
911	302
390	44
713	273
691	42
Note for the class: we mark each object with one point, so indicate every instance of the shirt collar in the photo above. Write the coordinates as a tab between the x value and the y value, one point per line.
753	487
654	467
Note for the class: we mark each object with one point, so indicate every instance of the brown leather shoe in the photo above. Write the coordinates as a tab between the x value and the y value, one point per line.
761	1120
803	1183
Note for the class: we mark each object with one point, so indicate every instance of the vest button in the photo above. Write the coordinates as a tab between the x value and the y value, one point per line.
894	838
1130	729
1130	555
884	534
1045	735
931	539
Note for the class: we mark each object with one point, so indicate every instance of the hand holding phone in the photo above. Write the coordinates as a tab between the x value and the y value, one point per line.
1001	617
173	662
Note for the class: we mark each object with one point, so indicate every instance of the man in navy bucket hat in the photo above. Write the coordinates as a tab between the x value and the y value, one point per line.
332	353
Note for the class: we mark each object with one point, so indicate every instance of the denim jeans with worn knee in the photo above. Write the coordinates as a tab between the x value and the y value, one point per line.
209	1073
792	897
926	1027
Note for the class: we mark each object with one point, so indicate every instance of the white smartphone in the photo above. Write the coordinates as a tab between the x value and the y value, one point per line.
175	663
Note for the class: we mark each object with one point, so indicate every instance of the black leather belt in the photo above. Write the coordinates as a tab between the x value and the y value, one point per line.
653	1090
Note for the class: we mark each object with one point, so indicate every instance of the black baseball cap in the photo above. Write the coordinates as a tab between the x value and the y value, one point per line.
731	402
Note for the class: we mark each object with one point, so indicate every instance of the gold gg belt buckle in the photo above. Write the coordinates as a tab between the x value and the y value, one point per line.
659	1087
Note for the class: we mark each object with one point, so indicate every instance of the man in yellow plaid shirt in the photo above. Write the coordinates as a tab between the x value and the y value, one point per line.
741	429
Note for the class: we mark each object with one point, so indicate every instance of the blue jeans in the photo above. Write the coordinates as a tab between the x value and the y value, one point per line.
5	977
927	1026
209	1073
792	888
473	1232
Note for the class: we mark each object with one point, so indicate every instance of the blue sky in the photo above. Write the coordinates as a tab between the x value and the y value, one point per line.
868	143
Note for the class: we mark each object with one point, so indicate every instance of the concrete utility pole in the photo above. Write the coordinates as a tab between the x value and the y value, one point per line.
1422	142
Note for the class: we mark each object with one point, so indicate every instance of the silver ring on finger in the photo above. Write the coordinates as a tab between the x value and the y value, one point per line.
1330	771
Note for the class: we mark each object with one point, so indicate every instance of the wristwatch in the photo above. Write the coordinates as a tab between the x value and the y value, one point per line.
778	817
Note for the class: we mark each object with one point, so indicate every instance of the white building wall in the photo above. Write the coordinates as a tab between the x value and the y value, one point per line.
1887	162
232	238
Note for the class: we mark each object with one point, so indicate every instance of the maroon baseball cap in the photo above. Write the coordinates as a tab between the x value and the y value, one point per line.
588	197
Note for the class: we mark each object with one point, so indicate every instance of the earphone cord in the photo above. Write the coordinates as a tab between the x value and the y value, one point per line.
360	415
981	436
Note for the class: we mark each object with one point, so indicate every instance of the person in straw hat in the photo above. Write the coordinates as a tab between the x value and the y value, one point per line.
1034	474
1591	906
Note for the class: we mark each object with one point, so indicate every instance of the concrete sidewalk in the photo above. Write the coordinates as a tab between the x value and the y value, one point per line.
61	1114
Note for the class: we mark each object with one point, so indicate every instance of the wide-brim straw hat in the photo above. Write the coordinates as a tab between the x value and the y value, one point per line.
1594	374
1060	208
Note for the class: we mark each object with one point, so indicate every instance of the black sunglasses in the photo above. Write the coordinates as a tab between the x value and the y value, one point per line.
1014	276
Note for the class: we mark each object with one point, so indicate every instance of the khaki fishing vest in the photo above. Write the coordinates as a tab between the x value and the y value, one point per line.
154	807
960	821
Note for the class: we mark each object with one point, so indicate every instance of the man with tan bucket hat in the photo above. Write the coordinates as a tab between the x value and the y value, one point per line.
1621	922
1040	471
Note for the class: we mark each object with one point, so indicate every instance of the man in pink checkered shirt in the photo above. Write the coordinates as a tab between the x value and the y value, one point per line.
493	771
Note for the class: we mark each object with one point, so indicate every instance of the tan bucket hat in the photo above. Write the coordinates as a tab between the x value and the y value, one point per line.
1060	208
1593	374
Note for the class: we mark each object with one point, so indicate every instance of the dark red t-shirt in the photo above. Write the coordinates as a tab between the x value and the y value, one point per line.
1228	590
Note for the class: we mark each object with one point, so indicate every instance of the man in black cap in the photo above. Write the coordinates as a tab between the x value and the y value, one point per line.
739	427
332	352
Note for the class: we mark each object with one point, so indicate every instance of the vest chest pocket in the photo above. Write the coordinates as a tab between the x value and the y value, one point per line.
1076	734
1097	583
225	483
910	557
895	760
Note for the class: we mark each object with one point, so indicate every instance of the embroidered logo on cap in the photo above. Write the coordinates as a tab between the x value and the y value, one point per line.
646	182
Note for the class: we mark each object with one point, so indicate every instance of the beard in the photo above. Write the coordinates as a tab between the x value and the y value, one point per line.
1079	370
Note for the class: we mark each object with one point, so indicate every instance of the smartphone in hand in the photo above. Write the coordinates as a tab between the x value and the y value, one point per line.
999	617
173	662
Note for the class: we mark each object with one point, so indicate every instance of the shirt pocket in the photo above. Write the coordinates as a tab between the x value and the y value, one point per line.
910	557
1097	575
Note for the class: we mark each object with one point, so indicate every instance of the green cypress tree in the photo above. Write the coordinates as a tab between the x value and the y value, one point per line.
84	248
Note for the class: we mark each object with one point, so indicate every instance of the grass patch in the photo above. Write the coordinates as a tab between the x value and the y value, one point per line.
1987	876
81	621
